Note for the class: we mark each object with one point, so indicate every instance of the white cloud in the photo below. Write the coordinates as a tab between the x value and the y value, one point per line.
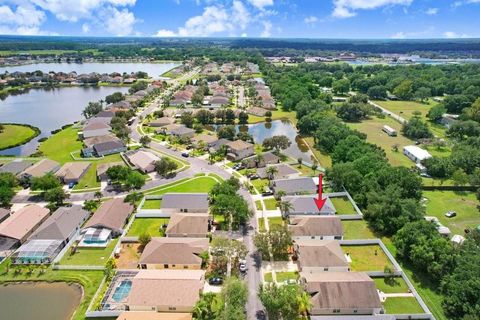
348	8
398	35
267	29
22	20
261	4
165	33
214	19
120	22
310	20
243	35
240	14
453	34
431	11
85	28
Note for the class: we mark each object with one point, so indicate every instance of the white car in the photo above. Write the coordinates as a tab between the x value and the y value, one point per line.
243	265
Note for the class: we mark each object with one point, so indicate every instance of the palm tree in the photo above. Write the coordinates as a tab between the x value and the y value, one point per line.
258	159
304	304
314	166
271	171
98	195
285	207
280	194
300	161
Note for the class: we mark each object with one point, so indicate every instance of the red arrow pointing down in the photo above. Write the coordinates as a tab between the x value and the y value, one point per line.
320	201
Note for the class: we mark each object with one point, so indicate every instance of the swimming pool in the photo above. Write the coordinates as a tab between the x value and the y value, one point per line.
122	291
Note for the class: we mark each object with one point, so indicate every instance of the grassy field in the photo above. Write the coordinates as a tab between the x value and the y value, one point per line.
367	258
356	229
324	159
89	180
89	256
464	203
152	226
402	305
343	205
152	204
276	115
59	146
260	184
395	285
275	221
258	205
89	280
281	276
270	204
12	135
194	185
373	129
261	224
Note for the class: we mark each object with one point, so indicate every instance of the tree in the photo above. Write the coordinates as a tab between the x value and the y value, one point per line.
227	132
436	113
283	302
6	195
473	113
304	303
46	182
205	308
314	166
165	166
423	93
272	171
341	86
404	90
234	298
242	117
459	177
278	143
91	205
377	92
135	180
137	86
354	111
187	119
133	198
415	128
114	97
144	239
278	235
92	109
145	140
233	208
204	116
55	196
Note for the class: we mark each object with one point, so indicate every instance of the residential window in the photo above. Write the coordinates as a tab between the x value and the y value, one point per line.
165	266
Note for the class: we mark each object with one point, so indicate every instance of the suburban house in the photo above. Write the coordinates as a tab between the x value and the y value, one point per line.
161	122
103	167
302	185
109	147
239	149
315	227
19	226
260	161
95	129
4	214
209	140
449	119
193	225
106	223
305	205
341	293
257	111
142	160
40	168
173	253
72	172
319	255
178	130
284	171
52	236
152	315
16	166
165	290
184	202
416	154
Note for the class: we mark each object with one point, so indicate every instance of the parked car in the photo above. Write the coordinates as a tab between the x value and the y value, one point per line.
71	185
450	214
243	266
267	192
185	154
215	281
253	176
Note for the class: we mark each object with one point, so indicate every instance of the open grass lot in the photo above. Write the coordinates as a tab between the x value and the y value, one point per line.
268	277
152	226
196	184
59	146
373	129
402	305
356	229
270	204
343	205
275	221
394	285
276	115
89	180
464	203
259	184
12	135
285	276
324	159
367	258
89	280
89	256
304	170
152	204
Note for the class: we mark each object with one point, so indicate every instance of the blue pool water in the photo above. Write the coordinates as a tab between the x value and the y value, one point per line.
122	291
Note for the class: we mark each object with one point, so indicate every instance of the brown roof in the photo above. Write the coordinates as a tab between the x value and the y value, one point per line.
315	226
188	224
20	223
112	214
340	290
41	168
171	288
163	121
90	142
95	125
207	138
239	145
174	251
72	170
320	253
152	315
142	159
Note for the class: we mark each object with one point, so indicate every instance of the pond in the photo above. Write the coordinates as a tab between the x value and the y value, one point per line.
40	300
49	110
153	69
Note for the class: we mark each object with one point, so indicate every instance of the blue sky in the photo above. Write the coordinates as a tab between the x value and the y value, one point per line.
402	19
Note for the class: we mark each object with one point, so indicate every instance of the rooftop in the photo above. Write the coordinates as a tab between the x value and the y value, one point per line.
20	223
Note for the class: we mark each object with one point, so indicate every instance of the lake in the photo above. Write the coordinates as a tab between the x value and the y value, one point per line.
49	110
153	69
40	301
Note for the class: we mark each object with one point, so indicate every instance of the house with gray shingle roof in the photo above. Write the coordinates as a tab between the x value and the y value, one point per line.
184	202
16	166
302	185
305	205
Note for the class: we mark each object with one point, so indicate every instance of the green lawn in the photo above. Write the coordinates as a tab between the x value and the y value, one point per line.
402	305
260	184
343	205
270	204
89	256
323	158
394	285
13	135
356	229
373	129
284	276
152	204
152	226
268	277
258	205
89	280
59	146
261	224
275	221
367	258
464	203
304	170
89	180
196	184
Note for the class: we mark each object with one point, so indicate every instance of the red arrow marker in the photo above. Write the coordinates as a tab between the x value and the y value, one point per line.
320	201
